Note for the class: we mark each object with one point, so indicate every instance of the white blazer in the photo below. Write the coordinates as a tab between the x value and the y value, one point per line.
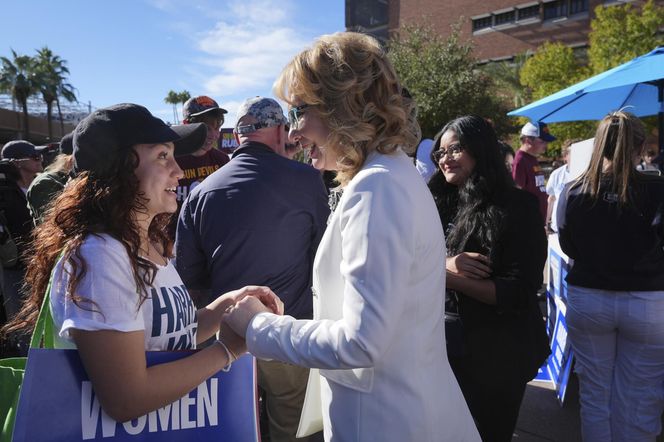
377	336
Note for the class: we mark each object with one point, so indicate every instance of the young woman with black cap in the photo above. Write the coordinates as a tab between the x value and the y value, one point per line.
114	293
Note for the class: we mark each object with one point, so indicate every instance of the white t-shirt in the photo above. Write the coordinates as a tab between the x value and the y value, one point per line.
557	181
167	316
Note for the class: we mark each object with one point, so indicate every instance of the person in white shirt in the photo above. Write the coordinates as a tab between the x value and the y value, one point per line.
556	183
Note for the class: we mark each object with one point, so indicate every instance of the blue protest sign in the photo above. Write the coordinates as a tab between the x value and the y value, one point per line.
58	404
559	363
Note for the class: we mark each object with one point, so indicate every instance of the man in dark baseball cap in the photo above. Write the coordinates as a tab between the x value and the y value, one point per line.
20	150
203	109
103	137
201	105
26	158
21	162
198	165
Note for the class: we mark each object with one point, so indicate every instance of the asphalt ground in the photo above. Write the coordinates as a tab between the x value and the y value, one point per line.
542	418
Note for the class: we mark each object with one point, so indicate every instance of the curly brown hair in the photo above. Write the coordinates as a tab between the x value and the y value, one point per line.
353	87
89	205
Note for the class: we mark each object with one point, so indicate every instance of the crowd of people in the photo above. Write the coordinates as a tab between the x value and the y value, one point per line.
410	283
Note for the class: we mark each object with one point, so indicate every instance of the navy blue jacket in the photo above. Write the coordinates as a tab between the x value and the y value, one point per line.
256	221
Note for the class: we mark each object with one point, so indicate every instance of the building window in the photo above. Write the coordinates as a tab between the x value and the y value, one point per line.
482	23
578	6
555	9
529	12
366	13
504	18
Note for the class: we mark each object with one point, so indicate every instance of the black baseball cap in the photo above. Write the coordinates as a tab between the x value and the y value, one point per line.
200	105
20	149
106	134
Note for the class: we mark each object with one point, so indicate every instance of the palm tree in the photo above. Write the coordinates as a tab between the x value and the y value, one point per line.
17	77
68	92
51	73
173	98
183	97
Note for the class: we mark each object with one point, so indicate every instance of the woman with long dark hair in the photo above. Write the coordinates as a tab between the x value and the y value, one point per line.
611	224
114	292
496	250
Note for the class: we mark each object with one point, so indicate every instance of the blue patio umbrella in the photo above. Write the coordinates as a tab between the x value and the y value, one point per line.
637	85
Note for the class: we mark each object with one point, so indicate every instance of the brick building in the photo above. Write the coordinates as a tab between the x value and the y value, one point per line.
499	28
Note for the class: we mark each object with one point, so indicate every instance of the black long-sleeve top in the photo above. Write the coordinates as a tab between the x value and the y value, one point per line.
510	336
615	247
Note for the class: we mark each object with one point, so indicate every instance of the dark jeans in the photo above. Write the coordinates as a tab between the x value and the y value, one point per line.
494	403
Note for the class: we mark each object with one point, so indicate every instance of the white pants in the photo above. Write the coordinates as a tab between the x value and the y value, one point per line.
618	340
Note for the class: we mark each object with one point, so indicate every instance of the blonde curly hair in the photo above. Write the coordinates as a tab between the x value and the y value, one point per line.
349	82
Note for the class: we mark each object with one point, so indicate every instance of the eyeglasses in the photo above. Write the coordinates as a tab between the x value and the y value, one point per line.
295	113
453	151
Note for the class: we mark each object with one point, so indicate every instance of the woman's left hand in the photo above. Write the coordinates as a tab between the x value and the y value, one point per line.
239	315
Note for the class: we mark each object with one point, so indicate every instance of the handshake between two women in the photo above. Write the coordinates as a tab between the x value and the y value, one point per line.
238	309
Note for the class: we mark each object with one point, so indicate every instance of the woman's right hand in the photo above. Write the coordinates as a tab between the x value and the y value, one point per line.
469	264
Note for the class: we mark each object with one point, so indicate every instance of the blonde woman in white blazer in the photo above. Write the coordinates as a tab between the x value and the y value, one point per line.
378	276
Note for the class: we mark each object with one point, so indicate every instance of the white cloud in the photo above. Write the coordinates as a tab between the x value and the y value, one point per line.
246	45
261	11
231	116
247	50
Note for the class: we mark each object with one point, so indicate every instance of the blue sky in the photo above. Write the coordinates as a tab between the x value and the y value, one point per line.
137	50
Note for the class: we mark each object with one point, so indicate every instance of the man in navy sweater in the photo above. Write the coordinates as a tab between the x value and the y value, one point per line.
258	220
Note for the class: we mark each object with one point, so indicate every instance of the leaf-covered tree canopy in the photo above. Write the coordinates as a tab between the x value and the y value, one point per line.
441	75
621	33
